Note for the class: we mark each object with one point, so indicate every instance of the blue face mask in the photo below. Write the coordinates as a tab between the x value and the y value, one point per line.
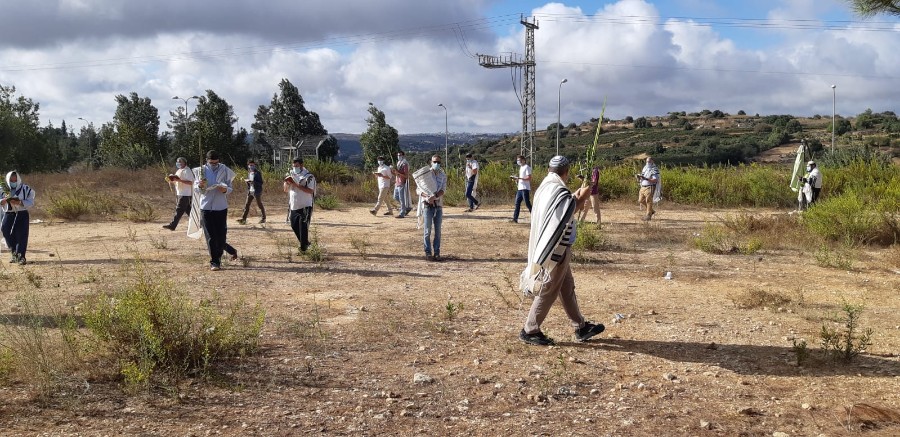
214	166
435	165
13	185
179	165
296	170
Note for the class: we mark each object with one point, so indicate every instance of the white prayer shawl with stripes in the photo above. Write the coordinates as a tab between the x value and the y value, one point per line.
552	233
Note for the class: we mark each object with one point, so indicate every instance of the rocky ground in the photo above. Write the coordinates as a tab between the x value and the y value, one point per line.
377	340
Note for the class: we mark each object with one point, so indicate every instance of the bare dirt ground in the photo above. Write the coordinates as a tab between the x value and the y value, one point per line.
345	338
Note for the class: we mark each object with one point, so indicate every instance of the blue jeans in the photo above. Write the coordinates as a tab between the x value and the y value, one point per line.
470	184
520	196
401	195
433	214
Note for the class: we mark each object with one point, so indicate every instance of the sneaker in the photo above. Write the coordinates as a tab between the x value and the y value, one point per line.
373	212
477	205
242	221
169	227
262	220
437	258
428	257
513	221
234	257
588	330
538	338
214	267
22	261
388	213
401	216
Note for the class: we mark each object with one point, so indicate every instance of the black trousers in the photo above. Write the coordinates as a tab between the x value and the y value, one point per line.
15	231
262	209
181	208
215	227
300	219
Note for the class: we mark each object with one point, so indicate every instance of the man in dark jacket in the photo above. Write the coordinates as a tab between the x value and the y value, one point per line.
254	191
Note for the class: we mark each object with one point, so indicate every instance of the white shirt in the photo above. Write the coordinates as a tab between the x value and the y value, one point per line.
524	172
384	181
471	166
187	175
297	198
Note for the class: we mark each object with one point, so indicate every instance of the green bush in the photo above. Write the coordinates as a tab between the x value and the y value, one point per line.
139	211
589	238
151	328
851	219
328	202
73	202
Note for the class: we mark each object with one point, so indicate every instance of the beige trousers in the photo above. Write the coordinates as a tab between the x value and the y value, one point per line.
645	199
561	285
595	206
384	198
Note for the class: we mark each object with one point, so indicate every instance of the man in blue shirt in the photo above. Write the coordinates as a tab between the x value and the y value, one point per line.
214	186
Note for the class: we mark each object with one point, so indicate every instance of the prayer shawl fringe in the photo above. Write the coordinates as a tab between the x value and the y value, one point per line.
551	232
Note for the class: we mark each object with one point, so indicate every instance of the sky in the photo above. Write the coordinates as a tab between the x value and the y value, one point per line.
643	57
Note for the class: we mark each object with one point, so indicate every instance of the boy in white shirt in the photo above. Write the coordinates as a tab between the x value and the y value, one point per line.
183	178
523	187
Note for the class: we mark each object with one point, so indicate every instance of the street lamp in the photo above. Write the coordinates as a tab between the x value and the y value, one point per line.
446	136
558	96
186	117
833	127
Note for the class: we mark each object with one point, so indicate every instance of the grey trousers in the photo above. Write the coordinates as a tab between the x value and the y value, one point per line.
561	285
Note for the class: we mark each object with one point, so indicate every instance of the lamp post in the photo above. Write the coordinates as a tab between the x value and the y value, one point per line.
833	126
446	135
558	97
186	119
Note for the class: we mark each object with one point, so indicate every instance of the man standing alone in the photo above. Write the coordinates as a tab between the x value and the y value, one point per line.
523	187
650	189
301	188
214	186
15	205
548	274
471	182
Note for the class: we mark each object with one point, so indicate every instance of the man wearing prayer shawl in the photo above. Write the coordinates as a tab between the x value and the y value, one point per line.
651	188
548	274
17	199
214	185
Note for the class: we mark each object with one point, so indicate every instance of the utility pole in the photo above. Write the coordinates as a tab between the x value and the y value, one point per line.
528	100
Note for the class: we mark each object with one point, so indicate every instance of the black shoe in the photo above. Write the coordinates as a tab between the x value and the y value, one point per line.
401	216
537	338
22	261
242	221
388	213
588	330
234	256
215	267
262	220
437	258
468	210
513	221
169	227
373	212
428	257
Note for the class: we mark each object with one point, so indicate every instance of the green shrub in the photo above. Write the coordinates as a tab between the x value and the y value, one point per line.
151	329
589	238
139	211
327	202
847	343
73	202
848	218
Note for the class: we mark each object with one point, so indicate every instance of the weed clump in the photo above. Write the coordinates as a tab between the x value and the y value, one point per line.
153	330
848	343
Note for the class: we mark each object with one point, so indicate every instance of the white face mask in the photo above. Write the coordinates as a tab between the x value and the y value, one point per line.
179	165
808	168
380	162
296	170
521	163
435	165
399	157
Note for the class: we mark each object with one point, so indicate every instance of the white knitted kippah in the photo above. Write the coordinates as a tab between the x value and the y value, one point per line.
559	161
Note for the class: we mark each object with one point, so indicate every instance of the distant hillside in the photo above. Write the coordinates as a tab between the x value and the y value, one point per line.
351	150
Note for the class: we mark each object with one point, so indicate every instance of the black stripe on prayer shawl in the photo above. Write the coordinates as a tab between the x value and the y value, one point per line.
562	197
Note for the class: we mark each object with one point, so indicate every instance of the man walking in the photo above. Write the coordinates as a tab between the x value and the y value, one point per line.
384	175
523	187
651	188
471	182
595	196
214	186
401	186
548	274
254	191
17	199
301	188
183	178
433	203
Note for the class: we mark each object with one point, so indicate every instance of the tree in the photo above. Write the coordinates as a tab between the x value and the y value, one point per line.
213	129
629	119
642	123
87	145
870	8
379	139
23	146
286	120
843	126
131	140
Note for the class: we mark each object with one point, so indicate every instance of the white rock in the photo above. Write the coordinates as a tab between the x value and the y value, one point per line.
669	377
780	434
705	425
421	378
